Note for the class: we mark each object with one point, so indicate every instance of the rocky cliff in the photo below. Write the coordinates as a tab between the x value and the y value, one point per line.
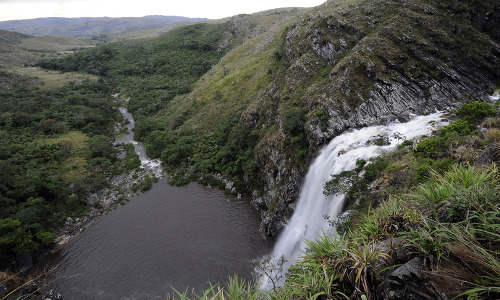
282	83
352	64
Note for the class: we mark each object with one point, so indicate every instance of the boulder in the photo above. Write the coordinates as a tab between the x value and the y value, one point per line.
408	282
489	155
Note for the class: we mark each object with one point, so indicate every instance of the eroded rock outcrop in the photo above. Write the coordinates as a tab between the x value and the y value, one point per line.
368	63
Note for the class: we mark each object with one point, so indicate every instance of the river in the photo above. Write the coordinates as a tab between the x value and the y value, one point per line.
169	237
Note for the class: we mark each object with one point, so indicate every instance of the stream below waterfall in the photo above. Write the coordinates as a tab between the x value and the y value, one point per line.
168	237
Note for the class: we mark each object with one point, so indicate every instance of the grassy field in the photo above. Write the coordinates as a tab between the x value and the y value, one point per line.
52	43
53	79
77	142
17	50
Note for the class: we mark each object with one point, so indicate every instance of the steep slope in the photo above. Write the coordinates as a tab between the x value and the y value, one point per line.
294	79
260	115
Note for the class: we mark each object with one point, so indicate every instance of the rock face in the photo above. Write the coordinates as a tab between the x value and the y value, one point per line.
407	282
490	154
377	62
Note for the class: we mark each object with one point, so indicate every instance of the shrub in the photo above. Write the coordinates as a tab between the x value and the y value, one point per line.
475	111
146	184
428	148
461	127
493	134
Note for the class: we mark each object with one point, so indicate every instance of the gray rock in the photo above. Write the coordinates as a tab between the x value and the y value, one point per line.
485	157
408	282
490	154
229	185
413	266
392	250
322	43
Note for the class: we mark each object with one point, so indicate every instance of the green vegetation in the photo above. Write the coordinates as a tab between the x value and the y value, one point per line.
449	218
274	76
55	149
131	160
152	73
245	98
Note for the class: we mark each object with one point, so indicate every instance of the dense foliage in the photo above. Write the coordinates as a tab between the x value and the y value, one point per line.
55	148
152	73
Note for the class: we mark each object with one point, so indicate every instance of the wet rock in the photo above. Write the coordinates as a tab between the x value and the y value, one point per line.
233	191
229	185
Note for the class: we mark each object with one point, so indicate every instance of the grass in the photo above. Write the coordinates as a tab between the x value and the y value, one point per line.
18	49
54	79
449	218
75	164
52	43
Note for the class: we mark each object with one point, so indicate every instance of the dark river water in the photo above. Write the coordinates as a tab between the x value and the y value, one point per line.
180	237
169	237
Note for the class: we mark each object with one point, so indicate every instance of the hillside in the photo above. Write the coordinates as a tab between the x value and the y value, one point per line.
19	49
96	28
295	79
247	102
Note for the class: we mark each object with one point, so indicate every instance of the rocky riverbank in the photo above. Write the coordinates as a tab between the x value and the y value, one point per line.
121	187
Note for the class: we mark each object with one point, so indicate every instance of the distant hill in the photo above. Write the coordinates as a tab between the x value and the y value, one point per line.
17	49
90	27
293	80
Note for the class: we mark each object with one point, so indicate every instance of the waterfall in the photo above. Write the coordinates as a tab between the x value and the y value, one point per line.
339	155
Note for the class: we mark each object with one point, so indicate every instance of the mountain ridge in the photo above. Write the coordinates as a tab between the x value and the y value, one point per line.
292	80
90	26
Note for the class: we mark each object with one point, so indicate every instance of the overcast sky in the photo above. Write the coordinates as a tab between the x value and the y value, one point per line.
213	9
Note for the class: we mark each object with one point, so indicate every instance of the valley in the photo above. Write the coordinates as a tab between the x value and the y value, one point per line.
248	104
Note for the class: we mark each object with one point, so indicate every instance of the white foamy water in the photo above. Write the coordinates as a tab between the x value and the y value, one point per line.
146	163
495	96
308	219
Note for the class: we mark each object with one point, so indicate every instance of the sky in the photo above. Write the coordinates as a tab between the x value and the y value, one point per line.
212	9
